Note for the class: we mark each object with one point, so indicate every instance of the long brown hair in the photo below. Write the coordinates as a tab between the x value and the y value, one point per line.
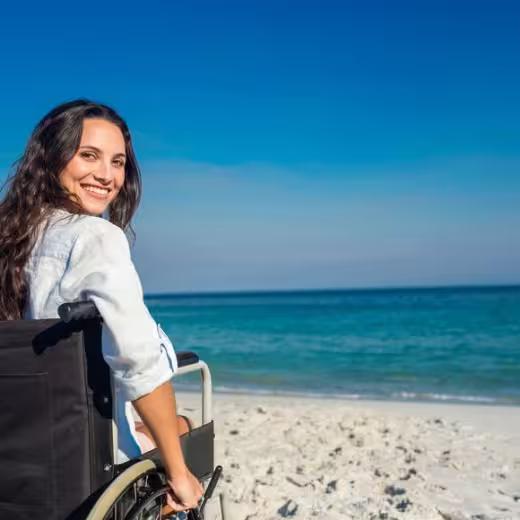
34	190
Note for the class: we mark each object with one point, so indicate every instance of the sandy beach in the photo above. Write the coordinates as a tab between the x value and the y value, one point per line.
295	457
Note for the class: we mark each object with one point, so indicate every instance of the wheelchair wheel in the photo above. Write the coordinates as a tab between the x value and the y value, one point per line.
139	493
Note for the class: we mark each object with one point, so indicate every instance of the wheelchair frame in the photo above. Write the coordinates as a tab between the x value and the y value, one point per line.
149	463
70	394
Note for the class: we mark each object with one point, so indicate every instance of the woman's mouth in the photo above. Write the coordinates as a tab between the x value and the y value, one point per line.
95	191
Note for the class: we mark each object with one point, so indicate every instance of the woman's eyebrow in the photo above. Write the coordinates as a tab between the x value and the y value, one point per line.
98	150
95	148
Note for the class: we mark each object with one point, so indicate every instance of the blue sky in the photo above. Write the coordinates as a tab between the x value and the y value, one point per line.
294	144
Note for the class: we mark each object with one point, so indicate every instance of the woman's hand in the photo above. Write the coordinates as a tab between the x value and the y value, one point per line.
186	491
157	411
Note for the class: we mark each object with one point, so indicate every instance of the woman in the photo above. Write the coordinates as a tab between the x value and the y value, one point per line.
55	246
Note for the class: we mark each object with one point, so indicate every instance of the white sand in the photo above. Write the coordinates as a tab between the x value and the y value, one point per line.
302	458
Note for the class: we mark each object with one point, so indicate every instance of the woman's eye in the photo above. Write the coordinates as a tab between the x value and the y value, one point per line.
88	155
119	164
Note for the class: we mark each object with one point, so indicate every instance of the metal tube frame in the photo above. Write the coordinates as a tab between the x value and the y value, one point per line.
207	387
207	393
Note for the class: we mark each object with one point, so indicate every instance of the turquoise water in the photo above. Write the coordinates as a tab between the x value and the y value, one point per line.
448	344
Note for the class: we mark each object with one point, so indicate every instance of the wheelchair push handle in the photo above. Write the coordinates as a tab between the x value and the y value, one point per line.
78	311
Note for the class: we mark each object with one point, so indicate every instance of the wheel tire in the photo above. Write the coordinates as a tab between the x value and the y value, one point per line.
117	487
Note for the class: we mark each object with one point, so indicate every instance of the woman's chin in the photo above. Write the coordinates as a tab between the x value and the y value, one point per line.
94	208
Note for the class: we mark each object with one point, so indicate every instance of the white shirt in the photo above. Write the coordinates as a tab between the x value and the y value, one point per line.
82	257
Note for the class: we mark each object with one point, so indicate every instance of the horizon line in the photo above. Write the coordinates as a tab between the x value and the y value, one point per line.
513	285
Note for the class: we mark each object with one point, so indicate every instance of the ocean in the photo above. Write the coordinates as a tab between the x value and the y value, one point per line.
439	344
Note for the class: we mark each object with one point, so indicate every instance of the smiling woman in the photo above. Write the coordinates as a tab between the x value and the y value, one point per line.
96	173
80	159
62	239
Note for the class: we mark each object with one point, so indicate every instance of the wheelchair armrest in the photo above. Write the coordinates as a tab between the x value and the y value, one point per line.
185	358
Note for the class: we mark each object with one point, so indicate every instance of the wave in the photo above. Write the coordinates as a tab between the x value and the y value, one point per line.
417	396
396	396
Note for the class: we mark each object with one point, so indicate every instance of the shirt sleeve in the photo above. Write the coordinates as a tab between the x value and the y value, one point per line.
136	349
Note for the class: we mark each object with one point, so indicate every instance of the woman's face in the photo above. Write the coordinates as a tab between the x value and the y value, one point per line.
96	173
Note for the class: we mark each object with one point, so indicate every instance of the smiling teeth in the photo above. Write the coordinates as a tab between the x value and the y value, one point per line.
101	191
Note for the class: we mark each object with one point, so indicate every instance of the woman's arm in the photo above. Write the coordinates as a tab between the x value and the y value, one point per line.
157	411
100	269
141	359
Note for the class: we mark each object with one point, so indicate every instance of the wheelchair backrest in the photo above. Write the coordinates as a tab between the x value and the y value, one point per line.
55	417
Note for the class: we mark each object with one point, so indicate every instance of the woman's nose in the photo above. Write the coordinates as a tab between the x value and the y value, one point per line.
104	172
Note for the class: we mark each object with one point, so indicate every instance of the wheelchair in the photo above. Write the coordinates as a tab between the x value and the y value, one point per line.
58	441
